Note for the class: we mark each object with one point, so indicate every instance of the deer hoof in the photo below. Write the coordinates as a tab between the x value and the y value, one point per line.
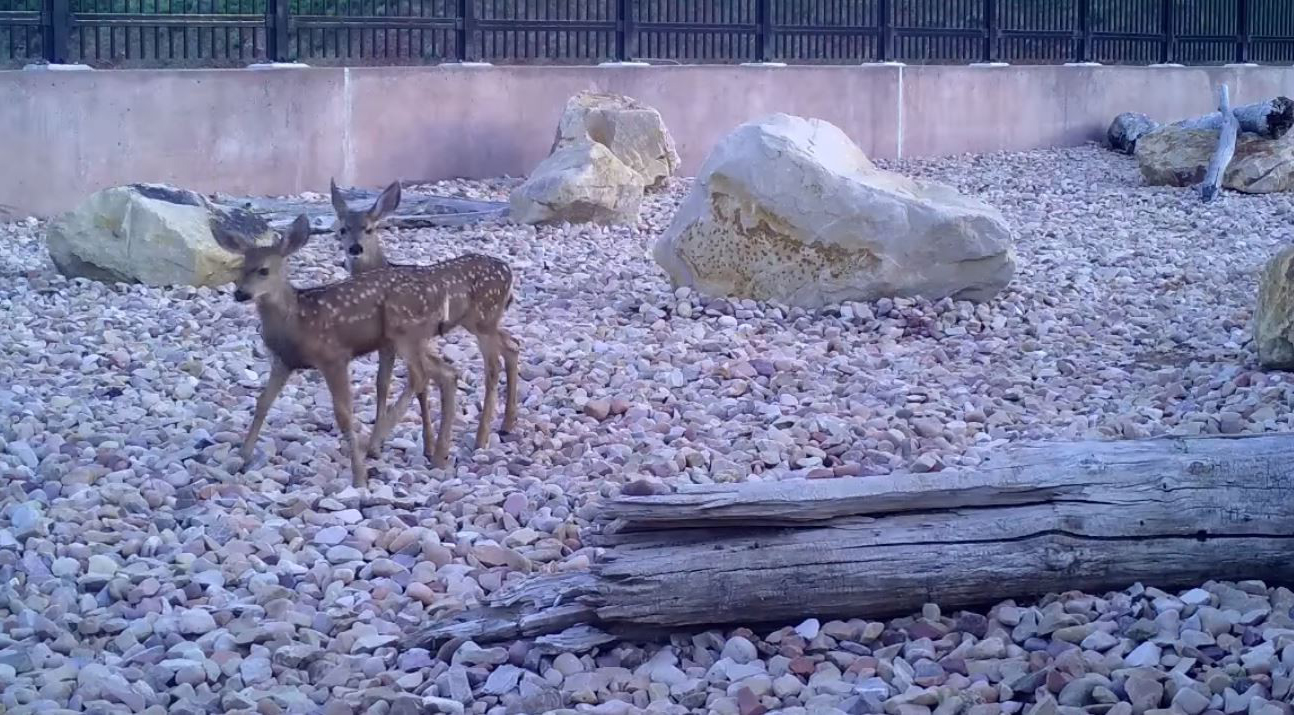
251	457
359	478
371	446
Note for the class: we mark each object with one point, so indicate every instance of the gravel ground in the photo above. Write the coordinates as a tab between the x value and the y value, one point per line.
141	572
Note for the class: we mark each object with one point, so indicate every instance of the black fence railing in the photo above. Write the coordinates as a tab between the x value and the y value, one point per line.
212	33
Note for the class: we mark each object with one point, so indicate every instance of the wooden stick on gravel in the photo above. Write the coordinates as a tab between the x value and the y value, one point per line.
1088	516
1228	132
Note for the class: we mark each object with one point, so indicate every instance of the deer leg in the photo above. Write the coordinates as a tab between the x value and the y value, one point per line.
511	351
490	349
422	364
385	366
429	360
279	374
424	409
383	428
388	419
447	382
412	353
338	379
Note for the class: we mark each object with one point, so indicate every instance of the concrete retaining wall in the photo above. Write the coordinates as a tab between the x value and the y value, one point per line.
64	135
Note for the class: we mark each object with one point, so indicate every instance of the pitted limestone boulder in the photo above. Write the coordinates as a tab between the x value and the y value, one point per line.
789	209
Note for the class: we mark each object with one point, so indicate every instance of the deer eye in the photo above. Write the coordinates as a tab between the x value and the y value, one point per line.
342	232
264	271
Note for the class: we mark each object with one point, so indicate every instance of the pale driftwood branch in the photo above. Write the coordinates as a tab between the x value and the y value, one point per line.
1269	119
1055	517
415	211
1227	135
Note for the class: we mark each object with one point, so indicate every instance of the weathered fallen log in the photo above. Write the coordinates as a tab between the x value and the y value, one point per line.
1268	119
415	211
1048	518
1228	132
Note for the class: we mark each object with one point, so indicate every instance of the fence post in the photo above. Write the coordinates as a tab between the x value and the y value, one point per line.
57	31
466	32
1242	31
763	30
626	35
884	31
1169	27
1084	31
990	30
276	30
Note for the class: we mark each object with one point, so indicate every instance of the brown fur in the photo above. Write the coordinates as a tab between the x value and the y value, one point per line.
324	328
471	291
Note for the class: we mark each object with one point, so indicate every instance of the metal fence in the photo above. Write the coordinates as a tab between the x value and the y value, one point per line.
212	33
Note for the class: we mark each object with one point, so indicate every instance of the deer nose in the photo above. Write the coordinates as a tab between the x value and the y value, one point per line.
242	296
355	249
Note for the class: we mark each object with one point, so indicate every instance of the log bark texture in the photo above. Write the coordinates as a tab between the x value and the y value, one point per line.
1269	119
1090	515
1228	133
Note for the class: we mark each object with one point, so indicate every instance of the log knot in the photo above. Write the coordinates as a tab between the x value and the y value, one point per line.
1058	559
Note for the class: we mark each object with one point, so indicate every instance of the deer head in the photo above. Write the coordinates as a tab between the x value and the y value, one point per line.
264	272
357	230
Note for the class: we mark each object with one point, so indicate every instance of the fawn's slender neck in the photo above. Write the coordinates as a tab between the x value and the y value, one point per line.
279	309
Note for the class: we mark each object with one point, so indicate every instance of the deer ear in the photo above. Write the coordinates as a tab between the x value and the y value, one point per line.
296	237
386	202
338	203
226	239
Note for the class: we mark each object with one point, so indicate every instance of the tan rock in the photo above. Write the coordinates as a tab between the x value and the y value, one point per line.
580	183
631	130
1172	156
1274	316
147	233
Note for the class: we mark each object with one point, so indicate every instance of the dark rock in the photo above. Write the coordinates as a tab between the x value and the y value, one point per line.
972	623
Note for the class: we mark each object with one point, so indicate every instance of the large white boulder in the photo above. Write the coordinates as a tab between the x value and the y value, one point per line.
579	183
1174	156
633	131
1274	316
789	209
146	233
